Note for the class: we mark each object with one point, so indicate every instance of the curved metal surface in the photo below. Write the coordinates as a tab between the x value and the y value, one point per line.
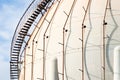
86	50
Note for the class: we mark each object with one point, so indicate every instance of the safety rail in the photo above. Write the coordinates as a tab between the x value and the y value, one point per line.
36	8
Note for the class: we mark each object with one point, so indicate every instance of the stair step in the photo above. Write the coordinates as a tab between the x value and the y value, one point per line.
24	29
14	69
14	55
47	1
44	2
18	44
37	12
40	6
13	64
28	24
14	74
18	40
22	33
15	52
31	19
21	37
14	78
27	27
16	47
38	9
14	60
16	66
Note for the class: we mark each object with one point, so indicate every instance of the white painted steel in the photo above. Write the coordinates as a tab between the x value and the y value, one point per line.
117	63
93	37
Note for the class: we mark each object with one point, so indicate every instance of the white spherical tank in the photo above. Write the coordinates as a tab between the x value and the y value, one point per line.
117	63
81	35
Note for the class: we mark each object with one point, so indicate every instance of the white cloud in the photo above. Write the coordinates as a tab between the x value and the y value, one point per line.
5	35
4	69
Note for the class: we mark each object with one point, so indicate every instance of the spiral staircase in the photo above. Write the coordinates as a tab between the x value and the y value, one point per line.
22	31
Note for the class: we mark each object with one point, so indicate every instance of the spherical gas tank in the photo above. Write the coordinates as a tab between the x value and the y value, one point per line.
75	39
